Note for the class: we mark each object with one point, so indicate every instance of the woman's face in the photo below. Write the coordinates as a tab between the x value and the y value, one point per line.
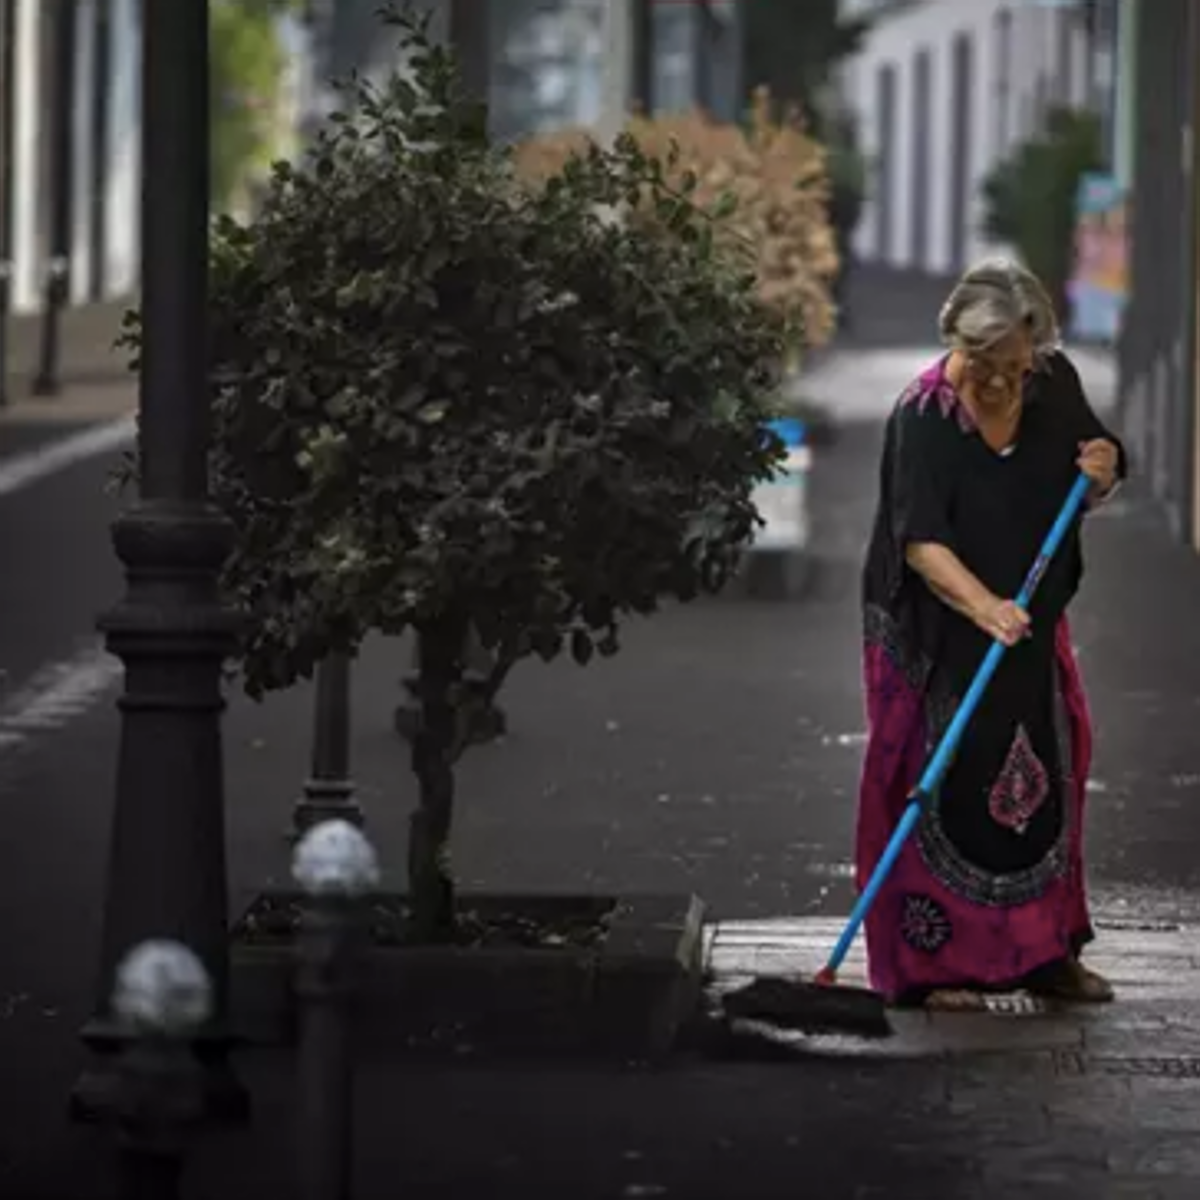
998	373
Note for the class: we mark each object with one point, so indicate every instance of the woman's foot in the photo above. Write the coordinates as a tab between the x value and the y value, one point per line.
955	1000
1071	982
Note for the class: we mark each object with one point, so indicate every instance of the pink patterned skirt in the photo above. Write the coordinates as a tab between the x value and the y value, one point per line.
941	920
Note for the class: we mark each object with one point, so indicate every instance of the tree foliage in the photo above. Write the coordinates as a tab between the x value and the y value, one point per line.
247	69
765	185
443	398
1029	197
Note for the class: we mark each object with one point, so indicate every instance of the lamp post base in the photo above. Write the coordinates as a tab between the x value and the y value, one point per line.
325	800
97	1095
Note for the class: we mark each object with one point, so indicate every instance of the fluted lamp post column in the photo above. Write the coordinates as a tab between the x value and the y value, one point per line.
167	871
329	792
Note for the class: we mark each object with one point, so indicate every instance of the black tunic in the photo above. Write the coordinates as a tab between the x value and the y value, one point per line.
1000	810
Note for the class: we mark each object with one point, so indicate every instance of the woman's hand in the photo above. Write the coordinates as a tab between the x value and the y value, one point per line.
1098	461
1002	620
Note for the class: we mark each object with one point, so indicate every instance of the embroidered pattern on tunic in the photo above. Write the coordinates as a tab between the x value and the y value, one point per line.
932	387
924	924
971	882
880	629
1021	787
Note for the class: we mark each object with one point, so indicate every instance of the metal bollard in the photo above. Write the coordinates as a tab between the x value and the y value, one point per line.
162	996
329	792
48	381
336	867
5	309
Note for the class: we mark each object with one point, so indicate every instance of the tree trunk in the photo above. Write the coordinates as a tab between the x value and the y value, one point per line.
430	882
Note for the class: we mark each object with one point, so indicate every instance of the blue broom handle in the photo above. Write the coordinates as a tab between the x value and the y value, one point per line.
942	756
940	761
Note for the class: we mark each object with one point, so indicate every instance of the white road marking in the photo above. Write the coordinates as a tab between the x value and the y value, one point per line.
56	695
21	470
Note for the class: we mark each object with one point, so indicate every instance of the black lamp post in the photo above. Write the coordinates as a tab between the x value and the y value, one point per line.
47	382
329	793
167	873
8	104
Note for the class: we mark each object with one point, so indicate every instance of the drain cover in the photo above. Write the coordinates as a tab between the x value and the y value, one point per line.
1016	1004
1119	925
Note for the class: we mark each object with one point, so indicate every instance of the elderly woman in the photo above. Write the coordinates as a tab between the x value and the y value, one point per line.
980	453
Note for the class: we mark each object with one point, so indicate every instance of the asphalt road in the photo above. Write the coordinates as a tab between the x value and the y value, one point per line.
57	568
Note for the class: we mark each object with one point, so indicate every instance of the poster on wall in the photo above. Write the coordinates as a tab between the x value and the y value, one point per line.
1099	281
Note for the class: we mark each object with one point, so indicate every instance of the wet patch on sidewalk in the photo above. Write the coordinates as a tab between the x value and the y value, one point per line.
1154	966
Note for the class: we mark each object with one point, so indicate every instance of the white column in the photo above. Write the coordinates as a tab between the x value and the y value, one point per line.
1126	99
941	134
1085	58
27	136
980	135
123	175
903	163
83	152
862	79
618	67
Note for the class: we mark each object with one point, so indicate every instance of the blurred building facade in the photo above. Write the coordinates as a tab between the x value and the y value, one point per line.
942	90
1159	374
84	55
552	64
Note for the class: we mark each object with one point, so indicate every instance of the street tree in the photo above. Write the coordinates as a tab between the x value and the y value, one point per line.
443	398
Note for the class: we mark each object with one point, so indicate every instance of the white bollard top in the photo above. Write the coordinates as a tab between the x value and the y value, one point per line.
162	986
335	859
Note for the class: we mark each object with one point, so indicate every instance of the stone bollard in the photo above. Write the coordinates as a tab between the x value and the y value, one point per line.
336	867
162	996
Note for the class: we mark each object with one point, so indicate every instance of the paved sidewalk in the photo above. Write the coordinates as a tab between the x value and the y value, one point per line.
718	753
96	384
999	1127
893	336
88	332
79	404
861	384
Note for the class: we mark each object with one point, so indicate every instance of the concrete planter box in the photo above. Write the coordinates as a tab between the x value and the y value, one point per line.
626	997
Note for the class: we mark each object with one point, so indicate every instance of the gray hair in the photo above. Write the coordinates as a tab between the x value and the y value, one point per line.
994	299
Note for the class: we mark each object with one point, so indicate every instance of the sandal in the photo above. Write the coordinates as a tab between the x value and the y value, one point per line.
1072	983
955	1000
